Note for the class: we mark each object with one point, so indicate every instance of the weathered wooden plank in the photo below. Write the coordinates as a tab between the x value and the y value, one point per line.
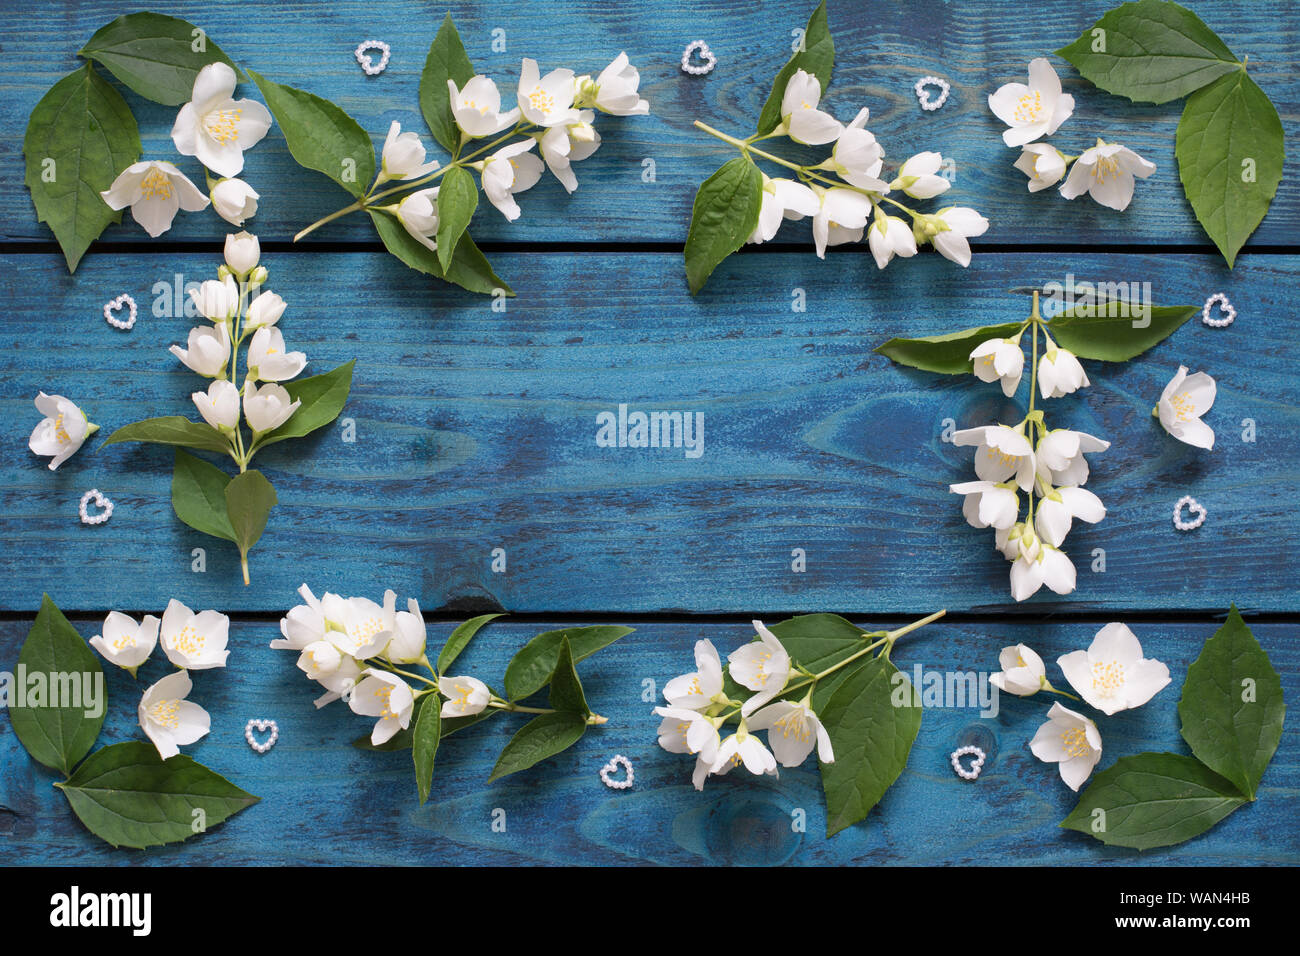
325	802
476	430
883	48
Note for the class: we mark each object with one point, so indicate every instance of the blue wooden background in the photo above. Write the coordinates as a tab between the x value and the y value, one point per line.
475	430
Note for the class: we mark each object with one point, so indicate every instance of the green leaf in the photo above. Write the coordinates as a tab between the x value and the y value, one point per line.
127	795
1093	333
947	354
172	430
1151	51
540	738
447	60
1232	708
80	136
424	744
457	200
723	217
1230	150
199	496
320	135
817	58
154	55
819	641
531	668
451	725
566	688
871	738
1152	800
323	397
469	268
58	736
249	500
460	639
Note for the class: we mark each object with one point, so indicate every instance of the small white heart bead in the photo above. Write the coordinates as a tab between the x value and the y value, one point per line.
612	767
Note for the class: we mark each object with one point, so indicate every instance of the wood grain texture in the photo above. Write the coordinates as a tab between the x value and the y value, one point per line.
882	49
476	430
326	802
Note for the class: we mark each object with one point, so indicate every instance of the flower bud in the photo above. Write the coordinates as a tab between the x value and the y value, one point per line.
242	252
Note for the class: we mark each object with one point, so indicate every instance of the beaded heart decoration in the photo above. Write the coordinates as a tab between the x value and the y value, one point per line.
923	92
1194	507
976	765
100	502
261	725
612	767
363	56
1226	310
710	61
116	305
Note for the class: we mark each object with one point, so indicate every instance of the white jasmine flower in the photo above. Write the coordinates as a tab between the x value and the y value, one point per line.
1106	173
216	299
209	349
917	178
1019	539
263	311
320	659
62	431
792	730
219	405
126	643
386	696
889	236
1001	452
510	170
154	190
1043	164
841	217
563	145
1185	399
410	636
477	108
168	719
242	252
988	505
546	100
195	642
215	127
783	199
1112	675
302	625
1023	673
1049	566
463	696
702	687
418	214
360	627
267	407
857	157
403	156
1060	455
762	666
1058	507
1059	372
1032	111
742	747
1000	360
1071	740
957	224
267	359
234	200
804	122
340	683
617	89
685	731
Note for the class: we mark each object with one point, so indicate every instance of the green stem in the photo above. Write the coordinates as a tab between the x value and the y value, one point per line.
388	666
355	207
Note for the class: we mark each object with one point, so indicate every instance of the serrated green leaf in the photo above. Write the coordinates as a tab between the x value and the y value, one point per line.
199	496
946	354
424	745
320	135
817	58
723	216
871	739
57	736
1116	338
172	430
540	738
1151	800
1151	51
323	397
460	639
457	200
566	688
1230	149
154	55
79	137
127	795
446	60
1232	708
469	268
249	500
532	666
